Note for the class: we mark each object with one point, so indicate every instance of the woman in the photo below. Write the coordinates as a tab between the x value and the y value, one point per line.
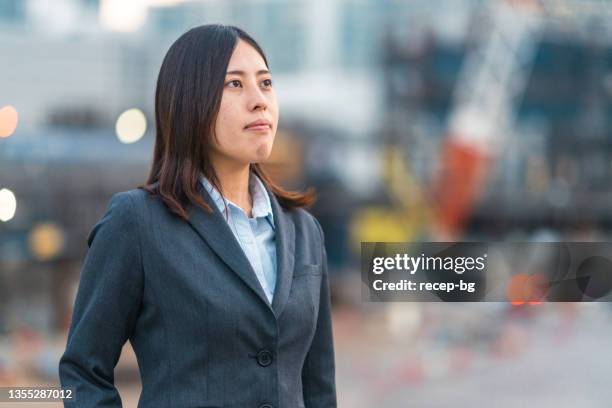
216	275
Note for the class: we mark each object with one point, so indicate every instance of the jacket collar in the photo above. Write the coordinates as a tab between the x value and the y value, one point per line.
215	231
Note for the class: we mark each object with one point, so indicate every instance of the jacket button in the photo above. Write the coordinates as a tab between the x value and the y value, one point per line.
266	406
264	359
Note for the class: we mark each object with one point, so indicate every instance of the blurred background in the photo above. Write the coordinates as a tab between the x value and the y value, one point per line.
416	120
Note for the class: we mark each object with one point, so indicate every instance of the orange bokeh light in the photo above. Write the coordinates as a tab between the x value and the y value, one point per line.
8	120
524	288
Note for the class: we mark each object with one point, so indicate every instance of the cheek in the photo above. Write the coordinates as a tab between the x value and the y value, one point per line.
273	107
227	125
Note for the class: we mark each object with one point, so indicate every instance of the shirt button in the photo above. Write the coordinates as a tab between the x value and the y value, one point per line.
264	358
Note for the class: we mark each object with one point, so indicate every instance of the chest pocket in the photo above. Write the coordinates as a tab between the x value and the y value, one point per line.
311	269
307	278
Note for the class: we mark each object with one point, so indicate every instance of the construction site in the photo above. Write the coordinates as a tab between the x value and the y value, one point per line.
439	121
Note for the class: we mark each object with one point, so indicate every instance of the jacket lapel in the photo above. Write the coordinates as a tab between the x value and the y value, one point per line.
213	229
285	251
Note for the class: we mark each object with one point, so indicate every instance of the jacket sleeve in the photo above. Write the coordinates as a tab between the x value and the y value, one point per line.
318	373
105	309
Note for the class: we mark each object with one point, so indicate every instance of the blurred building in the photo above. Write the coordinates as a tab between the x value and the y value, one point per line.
556	163
354	78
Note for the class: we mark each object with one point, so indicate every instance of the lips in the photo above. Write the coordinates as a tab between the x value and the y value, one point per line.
259	124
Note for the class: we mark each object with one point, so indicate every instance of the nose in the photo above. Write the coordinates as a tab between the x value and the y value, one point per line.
257	99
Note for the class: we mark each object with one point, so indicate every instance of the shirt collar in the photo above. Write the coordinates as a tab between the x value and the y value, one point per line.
262	206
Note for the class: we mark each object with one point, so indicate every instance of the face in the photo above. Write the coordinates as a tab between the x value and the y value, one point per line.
248	97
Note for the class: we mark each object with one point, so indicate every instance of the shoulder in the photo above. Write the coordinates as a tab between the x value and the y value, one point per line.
309	234
125	204
121	215
134	197
133	205
130	203
305	219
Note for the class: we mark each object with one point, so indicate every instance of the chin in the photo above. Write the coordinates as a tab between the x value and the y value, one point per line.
260	159
262	153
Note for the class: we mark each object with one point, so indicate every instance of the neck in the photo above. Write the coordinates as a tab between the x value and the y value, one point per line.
234	180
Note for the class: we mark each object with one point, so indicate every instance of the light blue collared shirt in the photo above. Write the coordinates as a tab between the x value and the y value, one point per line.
255	235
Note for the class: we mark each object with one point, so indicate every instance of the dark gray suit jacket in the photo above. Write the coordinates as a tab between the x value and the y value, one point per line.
186	297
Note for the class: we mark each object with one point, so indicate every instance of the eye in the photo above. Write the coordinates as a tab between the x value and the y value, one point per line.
267	82
234	81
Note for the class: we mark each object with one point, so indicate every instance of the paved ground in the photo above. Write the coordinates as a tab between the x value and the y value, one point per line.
556	357
435	355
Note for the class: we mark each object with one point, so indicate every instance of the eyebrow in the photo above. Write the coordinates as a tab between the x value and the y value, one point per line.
239	72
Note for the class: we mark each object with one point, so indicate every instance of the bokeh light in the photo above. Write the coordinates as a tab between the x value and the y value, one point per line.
46	241
8	120
524	288
123	16
8	204
131	126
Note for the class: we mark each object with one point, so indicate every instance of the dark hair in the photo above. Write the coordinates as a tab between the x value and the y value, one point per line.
187	100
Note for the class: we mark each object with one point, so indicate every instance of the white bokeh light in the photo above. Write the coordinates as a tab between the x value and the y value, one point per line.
131	126
123	16
8	205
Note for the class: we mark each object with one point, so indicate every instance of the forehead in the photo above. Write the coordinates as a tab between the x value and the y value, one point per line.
246	58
